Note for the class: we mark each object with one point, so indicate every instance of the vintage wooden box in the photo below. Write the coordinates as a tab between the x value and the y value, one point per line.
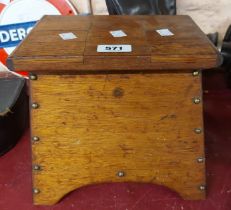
99	117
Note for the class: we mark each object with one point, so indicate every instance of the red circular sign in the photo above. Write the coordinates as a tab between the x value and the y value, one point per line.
30	11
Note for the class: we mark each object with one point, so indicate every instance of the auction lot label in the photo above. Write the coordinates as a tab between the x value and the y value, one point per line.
114	48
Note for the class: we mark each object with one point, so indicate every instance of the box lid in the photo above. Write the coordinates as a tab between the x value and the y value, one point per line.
70	43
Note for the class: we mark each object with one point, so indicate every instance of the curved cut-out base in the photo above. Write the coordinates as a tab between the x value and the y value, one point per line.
89	134
52	195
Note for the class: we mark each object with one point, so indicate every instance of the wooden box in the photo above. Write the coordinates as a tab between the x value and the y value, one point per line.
101	117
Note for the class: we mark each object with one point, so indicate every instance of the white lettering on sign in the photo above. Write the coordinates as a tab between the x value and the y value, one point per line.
14	34
21	33
29	29
4	36
114	48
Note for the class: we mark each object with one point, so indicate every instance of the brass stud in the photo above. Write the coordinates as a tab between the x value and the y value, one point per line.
198	130
36	191
196	73
200	160
35	106
196	100
35	138
202	187
37	167
120	174
33	77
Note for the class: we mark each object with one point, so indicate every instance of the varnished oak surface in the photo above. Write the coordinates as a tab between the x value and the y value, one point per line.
44	51
93	126
101	113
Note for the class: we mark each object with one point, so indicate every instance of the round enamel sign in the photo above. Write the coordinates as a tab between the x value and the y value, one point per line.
17	18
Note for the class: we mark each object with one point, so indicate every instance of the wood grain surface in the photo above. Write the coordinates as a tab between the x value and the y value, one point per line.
43	50
91	127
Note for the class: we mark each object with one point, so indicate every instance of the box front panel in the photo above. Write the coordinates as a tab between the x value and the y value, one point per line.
89	129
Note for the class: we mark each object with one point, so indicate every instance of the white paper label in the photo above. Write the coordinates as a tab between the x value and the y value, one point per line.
118	33
68	36
114	48
165	32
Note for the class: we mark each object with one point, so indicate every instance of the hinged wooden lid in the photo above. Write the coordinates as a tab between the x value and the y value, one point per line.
45	51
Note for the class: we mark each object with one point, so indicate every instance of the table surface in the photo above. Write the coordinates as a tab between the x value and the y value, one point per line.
44	49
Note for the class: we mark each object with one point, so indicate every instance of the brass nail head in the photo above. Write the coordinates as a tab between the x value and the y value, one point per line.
35	138
33	77
202	187
196	100
36	191
121	174
37	167
35	106
198	130
200	160
196	73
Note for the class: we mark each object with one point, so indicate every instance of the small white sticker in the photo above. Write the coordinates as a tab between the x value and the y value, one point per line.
165	32
68	36
114	48
118	33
